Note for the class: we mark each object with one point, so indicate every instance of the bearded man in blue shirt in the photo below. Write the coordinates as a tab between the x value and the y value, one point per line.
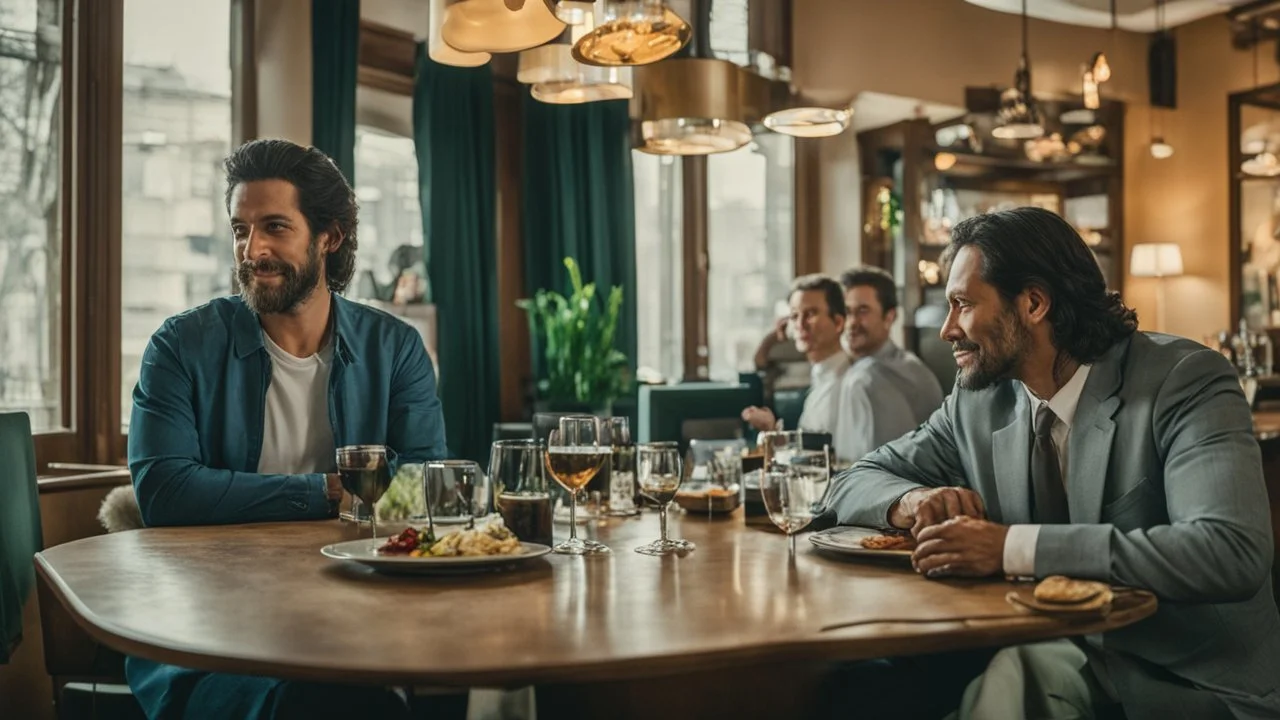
242	401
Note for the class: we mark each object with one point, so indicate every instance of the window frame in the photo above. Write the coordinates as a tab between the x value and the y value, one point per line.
90	195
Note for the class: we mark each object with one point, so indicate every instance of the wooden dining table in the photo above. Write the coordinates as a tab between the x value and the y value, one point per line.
735	616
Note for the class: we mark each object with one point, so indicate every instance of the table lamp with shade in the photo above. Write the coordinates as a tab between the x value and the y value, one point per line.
1156	260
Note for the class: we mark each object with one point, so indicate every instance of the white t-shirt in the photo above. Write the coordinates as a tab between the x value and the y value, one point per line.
296	435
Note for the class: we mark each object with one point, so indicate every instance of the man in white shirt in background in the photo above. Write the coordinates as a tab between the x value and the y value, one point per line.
887	391
817	321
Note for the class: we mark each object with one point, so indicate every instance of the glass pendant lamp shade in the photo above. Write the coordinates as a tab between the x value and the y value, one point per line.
1160	149
632	32
799	118
499	26
1019	117
691	106
441	51
1264	164
557	78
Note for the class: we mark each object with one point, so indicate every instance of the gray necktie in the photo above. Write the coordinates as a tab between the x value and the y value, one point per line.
1049	493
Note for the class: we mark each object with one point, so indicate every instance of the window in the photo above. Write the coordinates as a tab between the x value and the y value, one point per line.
177	111
751	248
659	277
32	354
390	233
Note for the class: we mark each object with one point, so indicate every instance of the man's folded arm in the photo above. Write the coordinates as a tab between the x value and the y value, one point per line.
1217	546
172	486
925	457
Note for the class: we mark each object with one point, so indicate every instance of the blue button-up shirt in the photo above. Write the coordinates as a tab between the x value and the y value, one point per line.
195	436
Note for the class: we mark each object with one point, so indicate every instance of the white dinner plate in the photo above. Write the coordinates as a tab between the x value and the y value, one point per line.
847	540
365	552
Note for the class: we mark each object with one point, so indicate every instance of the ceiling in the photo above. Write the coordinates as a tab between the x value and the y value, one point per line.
873	110
1133	15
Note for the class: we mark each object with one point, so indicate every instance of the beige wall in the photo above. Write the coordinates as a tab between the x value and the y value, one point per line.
932	49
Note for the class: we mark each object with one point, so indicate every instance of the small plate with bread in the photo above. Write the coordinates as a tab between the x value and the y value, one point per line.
1062	596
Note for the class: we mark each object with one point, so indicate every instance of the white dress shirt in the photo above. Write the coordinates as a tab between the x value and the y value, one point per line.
1020	543
884	396
822	404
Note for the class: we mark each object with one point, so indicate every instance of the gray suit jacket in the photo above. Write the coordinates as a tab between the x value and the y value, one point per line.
1166	493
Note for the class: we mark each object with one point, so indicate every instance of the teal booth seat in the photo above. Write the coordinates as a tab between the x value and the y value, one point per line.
701	410
20	533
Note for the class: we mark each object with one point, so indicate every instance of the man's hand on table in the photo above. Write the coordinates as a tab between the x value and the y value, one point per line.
760	418
960	547
919	509
333	492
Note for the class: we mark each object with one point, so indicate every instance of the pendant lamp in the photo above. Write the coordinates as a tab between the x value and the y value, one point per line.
1019	117
559	79
691	106
632	32
441	51
499	26
798	117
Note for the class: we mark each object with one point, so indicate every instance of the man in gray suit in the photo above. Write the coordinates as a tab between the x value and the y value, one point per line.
1074	445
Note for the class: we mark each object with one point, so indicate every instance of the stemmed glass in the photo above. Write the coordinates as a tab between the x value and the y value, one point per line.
794	481
365	471
659	472
574	456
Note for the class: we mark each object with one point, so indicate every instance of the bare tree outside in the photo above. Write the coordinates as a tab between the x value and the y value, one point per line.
30	231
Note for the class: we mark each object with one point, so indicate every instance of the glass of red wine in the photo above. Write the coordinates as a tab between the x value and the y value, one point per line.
365	471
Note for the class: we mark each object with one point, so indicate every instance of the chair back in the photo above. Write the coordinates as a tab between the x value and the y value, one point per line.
20	532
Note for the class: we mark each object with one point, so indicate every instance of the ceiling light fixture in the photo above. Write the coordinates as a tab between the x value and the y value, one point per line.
691	106
803	119
441	51
1264	164
558	79
499	26
1019	117
632	32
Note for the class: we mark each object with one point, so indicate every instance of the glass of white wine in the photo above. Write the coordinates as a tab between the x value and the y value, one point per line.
794	482
658	470
574	456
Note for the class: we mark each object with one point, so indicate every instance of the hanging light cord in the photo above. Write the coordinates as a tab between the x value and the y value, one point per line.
1024	28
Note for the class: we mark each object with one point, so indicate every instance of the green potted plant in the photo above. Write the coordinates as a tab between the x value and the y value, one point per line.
583	371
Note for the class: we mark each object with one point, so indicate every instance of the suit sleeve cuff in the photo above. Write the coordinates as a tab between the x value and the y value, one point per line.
1020	550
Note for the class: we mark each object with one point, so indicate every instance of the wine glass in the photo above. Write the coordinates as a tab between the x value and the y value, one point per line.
659	473
574	456
365	471
793	482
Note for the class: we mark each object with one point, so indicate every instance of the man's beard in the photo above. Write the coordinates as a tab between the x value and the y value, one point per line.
296	285
1001	357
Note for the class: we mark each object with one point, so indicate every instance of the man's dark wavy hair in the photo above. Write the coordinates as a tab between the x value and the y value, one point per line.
325	198
1031	247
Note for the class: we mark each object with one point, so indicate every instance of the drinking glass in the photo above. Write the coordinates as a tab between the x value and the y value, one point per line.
793	482
461	491
621	484
658	468
517	472
574	456
365	471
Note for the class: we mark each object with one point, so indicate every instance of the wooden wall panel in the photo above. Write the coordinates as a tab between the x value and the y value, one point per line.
513	328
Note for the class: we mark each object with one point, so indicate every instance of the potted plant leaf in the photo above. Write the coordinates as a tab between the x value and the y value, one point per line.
582	370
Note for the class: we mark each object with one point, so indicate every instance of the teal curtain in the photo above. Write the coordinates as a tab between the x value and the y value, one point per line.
579	201
453	132
335	58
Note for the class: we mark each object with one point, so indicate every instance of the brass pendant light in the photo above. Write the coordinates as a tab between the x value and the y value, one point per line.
557	78
691	106
499	26
441	51
632	32
1019	117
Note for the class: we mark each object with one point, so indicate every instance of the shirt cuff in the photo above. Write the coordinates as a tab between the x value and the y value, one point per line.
1020	550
